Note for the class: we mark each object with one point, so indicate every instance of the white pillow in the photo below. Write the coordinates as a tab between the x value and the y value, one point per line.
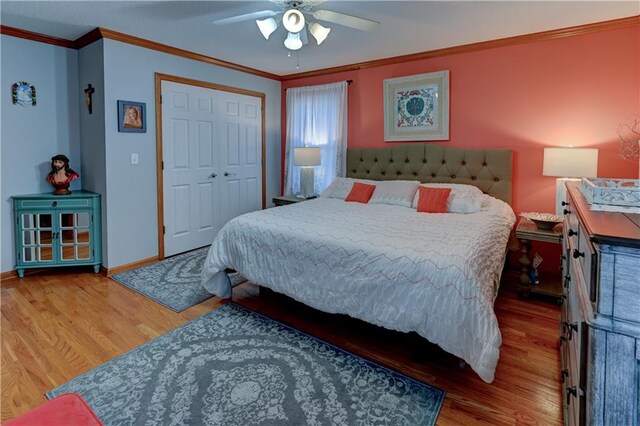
399	192
463	198
341	187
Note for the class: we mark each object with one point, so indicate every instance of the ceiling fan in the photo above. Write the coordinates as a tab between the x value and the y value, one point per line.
294	16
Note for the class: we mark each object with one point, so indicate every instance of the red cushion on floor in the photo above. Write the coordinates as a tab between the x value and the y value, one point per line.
64	410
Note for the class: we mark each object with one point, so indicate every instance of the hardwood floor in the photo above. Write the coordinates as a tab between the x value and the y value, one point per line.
58	324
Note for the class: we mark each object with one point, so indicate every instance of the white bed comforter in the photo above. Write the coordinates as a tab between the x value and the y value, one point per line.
435	274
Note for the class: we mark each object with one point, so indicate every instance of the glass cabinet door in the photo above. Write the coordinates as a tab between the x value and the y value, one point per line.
75	236
36	233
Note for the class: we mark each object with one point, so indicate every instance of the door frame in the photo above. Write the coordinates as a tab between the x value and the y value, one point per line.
159	78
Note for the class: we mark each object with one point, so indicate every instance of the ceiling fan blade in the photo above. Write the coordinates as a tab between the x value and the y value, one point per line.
304	38
346	20
246	17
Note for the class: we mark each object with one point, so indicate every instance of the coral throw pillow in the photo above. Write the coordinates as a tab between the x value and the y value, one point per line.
433	200
360	193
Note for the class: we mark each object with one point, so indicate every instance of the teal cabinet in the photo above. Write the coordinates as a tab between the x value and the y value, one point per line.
57	230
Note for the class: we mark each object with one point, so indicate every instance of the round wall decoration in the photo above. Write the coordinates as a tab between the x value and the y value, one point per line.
23	93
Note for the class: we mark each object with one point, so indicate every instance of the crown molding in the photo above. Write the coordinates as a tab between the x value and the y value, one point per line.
90	37
16	32
125	38
473	47
99	33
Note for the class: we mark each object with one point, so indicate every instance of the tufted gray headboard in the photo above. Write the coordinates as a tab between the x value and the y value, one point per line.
488	169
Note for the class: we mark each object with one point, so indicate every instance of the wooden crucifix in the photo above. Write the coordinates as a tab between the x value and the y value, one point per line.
88	92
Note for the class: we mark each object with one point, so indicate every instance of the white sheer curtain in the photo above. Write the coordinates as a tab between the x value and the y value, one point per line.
317	116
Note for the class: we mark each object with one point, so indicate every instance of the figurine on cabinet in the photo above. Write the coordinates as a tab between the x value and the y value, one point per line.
61	174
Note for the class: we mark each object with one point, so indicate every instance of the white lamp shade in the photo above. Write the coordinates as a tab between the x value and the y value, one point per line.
293	20
570	162
293	42
306	157
319	32
267	26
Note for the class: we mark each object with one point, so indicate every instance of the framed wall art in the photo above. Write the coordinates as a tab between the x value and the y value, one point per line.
416	108
132	117
23	93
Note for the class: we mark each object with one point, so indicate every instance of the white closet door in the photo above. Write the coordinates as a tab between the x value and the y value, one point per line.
189	129
212	153
241	154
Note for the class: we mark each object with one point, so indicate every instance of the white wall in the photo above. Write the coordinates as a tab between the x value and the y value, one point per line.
31	135
91	71
131	202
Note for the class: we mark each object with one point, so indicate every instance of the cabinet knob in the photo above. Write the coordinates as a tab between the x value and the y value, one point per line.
565	211
55	203
564	374
577	254
572	391
561	300
567	279
564	203
229	174
571	233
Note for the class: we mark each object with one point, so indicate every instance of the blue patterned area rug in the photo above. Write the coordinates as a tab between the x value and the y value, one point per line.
173	282
233	366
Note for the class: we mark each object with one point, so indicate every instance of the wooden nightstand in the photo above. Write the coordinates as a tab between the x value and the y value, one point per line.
527	232
283	200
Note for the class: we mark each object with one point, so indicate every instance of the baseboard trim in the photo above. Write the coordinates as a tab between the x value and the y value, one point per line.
7	278
130	266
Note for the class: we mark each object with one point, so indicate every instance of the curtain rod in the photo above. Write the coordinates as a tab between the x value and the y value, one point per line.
348	83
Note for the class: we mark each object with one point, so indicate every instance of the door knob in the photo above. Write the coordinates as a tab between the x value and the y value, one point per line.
229	174
572	391
212	175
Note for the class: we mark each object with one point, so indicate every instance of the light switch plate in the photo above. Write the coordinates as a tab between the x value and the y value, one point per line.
134	158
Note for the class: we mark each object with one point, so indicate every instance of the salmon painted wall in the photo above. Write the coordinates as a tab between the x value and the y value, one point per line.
568	91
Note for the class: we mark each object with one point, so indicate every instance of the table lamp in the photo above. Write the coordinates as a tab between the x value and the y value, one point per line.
568	164
306	158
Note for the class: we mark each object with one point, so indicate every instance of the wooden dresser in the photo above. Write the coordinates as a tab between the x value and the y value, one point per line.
600	320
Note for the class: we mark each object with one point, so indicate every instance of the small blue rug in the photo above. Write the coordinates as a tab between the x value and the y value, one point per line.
233	366
173	282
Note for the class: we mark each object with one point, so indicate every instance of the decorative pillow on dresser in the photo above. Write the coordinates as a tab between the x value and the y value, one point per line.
398	192
463	198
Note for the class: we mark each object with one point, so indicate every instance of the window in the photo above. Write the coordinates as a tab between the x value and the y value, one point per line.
317	116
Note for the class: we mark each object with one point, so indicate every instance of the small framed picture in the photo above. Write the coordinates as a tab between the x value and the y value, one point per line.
132	117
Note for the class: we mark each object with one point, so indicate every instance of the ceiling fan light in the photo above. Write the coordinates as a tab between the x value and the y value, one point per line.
293	20
293	42
267	26
319	32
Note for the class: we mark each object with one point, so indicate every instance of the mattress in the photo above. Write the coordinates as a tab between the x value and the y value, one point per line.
435	274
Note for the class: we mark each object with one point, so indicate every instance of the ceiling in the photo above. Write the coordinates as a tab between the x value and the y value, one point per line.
405	26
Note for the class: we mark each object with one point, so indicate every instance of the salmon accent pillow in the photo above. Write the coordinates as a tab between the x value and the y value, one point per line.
463	198
433	200
361	193
340	187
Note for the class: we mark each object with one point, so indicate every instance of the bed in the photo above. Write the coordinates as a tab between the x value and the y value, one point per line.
385	263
